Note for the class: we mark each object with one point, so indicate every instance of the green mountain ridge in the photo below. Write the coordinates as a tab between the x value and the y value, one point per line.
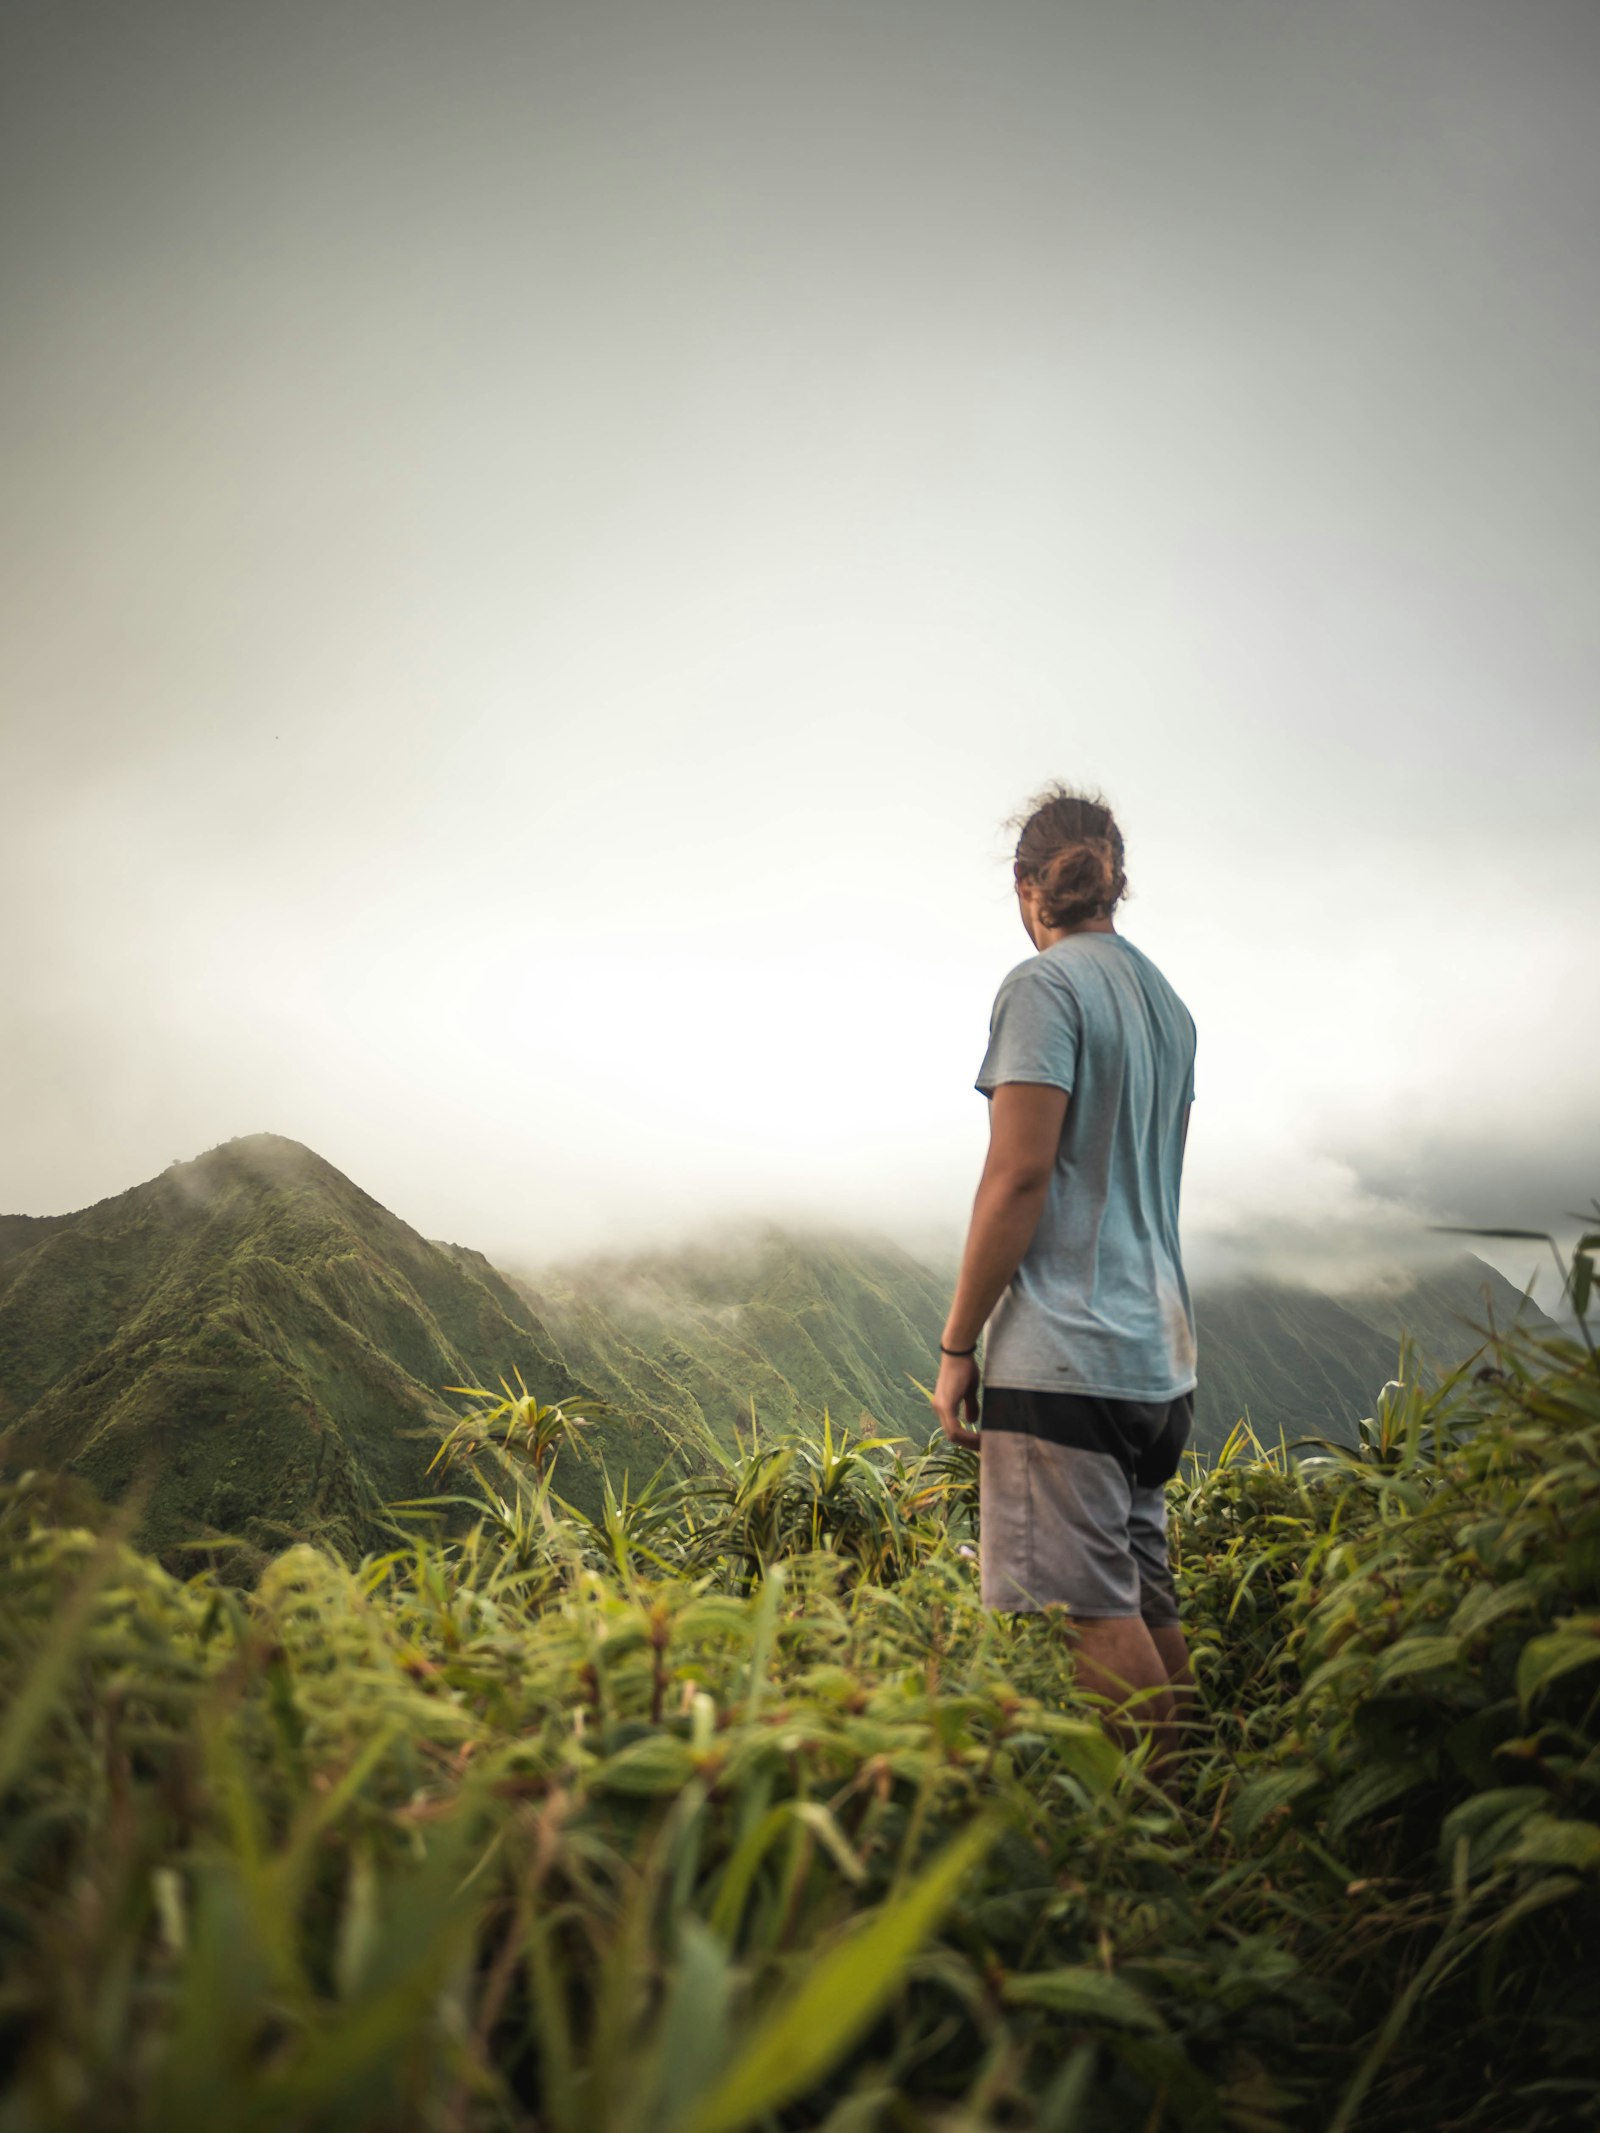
1296	1362
272	1346
769	1329
790	1324
266	1337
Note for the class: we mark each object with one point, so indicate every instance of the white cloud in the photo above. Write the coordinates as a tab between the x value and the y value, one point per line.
530	611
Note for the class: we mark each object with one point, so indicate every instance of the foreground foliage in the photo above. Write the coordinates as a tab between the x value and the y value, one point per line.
728	1806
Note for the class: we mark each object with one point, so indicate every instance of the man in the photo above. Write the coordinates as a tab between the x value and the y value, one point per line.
1073	1273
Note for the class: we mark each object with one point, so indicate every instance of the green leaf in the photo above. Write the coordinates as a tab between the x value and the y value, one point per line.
758	1840
1555	1888
358	1924
1489	1822
1261	1798
1415	1655
648	1768
1460	1229
1086	1994
1548	1840
811	2028
766	1623
32	1703
1582	1281
1373	1788
713	1614
694	2027
1485	1605
1576	1643
1062	2104
1081	1747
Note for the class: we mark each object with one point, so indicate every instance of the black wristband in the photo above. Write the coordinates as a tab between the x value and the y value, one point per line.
943	1350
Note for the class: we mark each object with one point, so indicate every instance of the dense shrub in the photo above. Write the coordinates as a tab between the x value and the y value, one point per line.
731	1807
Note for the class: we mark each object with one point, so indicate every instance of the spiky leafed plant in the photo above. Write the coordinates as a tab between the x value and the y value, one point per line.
516	1424
634	1529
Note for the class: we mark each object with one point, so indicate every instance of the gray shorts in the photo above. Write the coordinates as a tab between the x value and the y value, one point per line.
1072	1504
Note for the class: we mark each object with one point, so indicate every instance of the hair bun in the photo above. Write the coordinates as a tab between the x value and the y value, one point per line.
1070	845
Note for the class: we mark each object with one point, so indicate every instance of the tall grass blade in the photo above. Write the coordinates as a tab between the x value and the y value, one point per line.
837	2001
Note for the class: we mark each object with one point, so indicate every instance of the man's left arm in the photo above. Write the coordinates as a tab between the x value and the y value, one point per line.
1025	1121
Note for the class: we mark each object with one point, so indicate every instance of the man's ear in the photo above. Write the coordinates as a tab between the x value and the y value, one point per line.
1028	902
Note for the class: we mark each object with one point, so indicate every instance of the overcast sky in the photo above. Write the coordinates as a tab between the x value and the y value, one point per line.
542	542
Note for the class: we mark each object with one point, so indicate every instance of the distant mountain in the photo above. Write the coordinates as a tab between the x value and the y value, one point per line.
792	1323
1299	1363
272	1346
775	1324
268	1339
17	1232
1448	1312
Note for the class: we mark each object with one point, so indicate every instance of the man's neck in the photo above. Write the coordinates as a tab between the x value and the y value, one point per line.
1049	935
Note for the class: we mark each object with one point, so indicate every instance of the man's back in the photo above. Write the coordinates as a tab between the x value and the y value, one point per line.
1099	1303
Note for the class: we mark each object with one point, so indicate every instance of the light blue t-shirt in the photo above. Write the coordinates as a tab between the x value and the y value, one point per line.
1099	1303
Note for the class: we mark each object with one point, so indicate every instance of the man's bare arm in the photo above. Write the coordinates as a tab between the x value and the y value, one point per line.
1025	1120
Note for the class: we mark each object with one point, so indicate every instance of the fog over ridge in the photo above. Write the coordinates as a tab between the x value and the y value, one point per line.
545	542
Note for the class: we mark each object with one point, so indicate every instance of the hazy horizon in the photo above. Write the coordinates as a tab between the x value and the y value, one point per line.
936	1247
545	542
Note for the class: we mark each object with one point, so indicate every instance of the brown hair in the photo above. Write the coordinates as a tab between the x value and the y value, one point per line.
1069	843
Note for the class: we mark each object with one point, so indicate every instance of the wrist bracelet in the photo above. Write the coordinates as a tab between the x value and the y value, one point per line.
943	1350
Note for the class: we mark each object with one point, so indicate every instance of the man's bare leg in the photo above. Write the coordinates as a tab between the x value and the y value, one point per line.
1117	1657
1169	1642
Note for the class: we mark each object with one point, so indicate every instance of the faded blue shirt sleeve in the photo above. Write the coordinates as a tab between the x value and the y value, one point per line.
1034	1030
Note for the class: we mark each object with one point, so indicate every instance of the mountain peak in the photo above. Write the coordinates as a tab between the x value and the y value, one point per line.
267	1340
267	1158
272	1157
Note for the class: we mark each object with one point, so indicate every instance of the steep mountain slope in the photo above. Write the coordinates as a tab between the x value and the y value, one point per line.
778	1323
17	1232
264	1337
1448	1311
1288	1360
1303	1364
793	1323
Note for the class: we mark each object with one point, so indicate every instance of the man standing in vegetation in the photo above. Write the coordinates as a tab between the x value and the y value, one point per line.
1072	1271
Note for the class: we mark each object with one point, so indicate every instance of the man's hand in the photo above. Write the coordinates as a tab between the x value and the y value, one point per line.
955	1394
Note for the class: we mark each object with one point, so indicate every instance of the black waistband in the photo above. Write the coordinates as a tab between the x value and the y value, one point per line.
1145	1437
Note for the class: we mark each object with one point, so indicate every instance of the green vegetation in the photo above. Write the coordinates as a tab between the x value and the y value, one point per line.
723	1804
772	1325
1297	1363
268	1346
265	1343
791	1325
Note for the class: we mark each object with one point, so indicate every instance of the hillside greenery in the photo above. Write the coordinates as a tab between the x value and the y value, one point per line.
782	1325
266	1343
771	1325
723	1804
268	1347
